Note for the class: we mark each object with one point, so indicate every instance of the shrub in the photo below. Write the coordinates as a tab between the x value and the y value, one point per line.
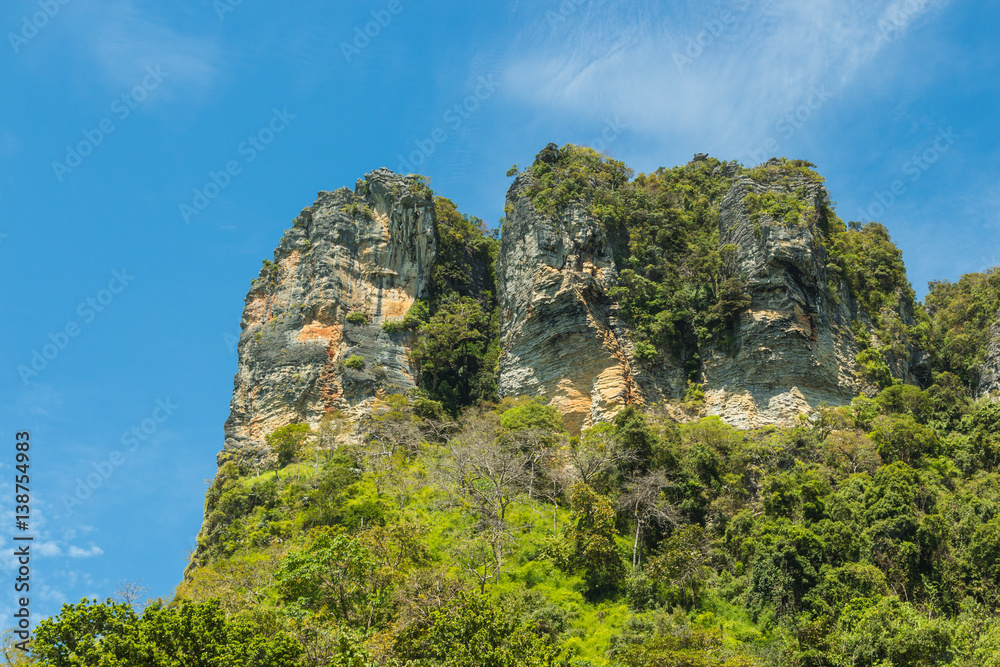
356	362
357	317
645	351
287	441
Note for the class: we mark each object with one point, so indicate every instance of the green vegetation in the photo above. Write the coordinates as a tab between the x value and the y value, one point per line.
110	633
269	274
417	314
681	290
450	528
870	536
865	259
457	345
781	207
678	287
960	317
354	209
356	317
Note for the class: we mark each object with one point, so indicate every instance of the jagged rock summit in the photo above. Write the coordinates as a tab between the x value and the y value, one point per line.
584	302
350	262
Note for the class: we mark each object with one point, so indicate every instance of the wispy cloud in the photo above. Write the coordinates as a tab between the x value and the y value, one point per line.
719	71
77	552
50	549
126	37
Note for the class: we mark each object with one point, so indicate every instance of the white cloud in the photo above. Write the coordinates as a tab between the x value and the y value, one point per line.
125	39
721	72
47	549
77	552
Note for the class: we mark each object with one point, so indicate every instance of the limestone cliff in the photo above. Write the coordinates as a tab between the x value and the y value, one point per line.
794	347
989	372
560	334
354	260
367	254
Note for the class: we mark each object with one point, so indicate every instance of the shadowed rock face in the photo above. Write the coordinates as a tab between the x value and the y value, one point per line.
371	251
989	372
561	338
559	332
794	347
367	252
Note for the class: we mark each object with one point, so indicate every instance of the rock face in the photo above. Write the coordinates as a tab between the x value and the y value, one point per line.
794	347
559	333
356	259
989	372
368	252
561	338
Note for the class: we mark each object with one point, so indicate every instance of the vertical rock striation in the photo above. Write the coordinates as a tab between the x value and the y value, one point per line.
370	252
791	350
794	347
989	372
559	333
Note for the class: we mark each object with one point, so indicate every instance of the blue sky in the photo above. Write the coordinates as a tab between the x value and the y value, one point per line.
116	115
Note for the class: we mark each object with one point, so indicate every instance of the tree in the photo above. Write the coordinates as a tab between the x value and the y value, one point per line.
489	474
901	438
644	500
394	437
596	455
785	561
474	631
450	349
287	442
682	559
132	592
99	634
851	452
557	477
593	536
338	574
636	438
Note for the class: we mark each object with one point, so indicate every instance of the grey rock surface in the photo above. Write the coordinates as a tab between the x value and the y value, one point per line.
989	372
369	251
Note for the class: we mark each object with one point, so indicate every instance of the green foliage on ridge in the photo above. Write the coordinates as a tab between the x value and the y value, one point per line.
961	317
869	536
